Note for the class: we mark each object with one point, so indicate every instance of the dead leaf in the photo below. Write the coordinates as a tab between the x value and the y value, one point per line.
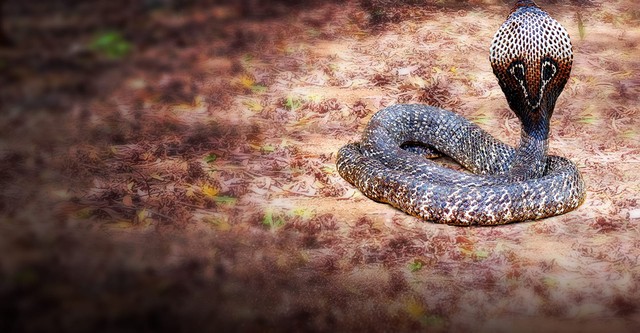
127	201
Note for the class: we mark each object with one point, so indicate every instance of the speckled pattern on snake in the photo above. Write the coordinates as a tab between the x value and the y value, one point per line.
531	55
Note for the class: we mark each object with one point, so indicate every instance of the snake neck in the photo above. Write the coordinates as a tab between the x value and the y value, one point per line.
530	159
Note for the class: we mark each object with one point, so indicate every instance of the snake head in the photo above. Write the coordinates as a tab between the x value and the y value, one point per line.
531	55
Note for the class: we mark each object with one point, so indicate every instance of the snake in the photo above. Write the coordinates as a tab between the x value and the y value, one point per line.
531	56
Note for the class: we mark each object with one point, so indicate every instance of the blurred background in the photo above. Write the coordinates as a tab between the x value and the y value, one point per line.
167	165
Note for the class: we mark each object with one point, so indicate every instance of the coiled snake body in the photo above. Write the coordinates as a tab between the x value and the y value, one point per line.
531	56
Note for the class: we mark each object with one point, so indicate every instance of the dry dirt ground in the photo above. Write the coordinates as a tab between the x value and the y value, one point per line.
189	182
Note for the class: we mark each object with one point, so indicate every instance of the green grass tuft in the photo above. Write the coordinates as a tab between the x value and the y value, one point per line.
111	44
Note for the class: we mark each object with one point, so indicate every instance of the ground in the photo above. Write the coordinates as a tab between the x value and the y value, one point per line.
170	166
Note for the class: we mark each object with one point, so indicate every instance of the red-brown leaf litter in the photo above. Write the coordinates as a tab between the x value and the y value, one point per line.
169	165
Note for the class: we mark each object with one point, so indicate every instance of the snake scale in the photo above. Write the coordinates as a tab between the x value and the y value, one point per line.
531	56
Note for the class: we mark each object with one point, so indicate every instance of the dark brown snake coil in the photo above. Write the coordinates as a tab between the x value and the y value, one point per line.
531	56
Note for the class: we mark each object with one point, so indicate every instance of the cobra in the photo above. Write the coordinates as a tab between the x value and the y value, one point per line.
531	56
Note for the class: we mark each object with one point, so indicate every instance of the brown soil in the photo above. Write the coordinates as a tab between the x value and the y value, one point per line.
189	184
